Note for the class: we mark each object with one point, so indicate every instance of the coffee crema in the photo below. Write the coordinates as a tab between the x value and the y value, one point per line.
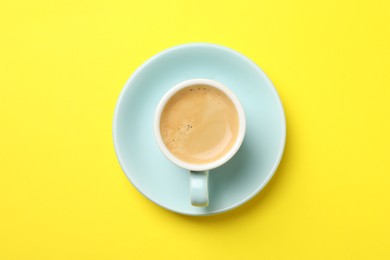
199	124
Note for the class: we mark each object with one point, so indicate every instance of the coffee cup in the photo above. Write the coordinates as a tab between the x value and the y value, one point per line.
199	125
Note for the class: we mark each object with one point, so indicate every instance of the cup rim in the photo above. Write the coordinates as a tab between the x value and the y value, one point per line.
241	128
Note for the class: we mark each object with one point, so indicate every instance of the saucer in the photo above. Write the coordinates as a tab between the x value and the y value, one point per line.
166	184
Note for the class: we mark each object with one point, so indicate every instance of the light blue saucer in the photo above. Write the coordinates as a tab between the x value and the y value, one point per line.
163	182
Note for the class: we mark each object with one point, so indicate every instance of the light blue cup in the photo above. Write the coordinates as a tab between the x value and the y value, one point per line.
162	181
199	173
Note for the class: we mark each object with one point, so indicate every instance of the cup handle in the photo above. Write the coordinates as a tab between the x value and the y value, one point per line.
199	191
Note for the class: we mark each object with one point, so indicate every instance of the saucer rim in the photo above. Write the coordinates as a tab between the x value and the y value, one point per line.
269	85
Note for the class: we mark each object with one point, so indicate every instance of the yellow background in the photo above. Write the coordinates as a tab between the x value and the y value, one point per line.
63	65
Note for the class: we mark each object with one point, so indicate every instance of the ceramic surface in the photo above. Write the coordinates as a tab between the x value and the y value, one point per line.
163	182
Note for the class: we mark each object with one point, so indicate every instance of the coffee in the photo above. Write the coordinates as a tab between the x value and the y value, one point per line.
199	124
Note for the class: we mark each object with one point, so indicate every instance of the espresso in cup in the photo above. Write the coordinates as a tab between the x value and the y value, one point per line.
199	124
